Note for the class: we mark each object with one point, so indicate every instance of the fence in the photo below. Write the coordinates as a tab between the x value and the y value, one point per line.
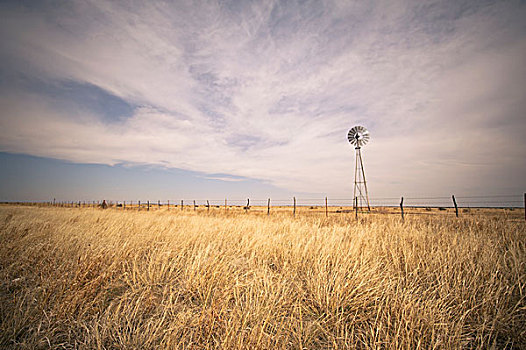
402	206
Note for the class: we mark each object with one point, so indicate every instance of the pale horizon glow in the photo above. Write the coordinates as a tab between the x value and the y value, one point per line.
267	91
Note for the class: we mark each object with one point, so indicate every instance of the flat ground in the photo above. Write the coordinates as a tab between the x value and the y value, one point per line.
164	279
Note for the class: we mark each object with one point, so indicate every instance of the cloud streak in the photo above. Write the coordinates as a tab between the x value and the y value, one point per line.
268	91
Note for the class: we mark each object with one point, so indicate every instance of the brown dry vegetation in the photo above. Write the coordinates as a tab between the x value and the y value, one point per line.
109	279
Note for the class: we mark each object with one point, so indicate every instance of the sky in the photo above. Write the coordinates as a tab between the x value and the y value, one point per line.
204	99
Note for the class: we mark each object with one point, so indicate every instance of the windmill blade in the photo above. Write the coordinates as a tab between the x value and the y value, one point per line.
351	136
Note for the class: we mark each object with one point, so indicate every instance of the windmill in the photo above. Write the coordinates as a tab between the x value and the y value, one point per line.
358	136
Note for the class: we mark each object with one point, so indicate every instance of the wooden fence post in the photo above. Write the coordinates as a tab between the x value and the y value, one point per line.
148	206
207	206
194	205
294	211
356	207
159	204
268	207
455	203
326	207
402	208
139	205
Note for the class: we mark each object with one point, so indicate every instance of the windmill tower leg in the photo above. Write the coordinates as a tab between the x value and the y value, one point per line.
356	181
361	195
364	183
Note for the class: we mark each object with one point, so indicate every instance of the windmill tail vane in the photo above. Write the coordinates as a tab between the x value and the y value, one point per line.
358	136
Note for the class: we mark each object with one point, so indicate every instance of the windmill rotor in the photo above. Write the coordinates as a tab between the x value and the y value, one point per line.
358	136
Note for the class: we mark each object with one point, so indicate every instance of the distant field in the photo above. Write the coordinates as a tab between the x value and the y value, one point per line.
167	279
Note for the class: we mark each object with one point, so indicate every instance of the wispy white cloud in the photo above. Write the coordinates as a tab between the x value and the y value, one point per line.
224	178
268	90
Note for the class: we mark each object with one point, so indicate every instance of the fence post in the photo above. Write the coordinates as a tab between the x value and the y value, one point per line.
148	206
248	205
159	203
402	207
326	207
194	205
123	205
455	203
207	206
294	212
182	204
139	205
356	207
168	205
268	207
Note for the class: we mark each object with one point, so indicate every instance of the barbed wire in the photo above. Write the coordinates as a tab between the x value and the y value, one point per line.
501	200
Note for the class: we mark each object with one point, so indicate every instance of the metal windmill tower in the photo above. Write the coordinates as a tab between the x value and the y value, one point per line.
358	136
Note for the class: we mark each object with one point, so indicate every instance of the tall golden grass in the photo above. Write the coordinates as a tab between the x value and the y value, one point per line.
108	279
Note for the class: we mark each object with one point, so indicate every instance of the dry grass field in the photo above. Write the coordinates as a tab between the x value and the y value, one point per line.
112	279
